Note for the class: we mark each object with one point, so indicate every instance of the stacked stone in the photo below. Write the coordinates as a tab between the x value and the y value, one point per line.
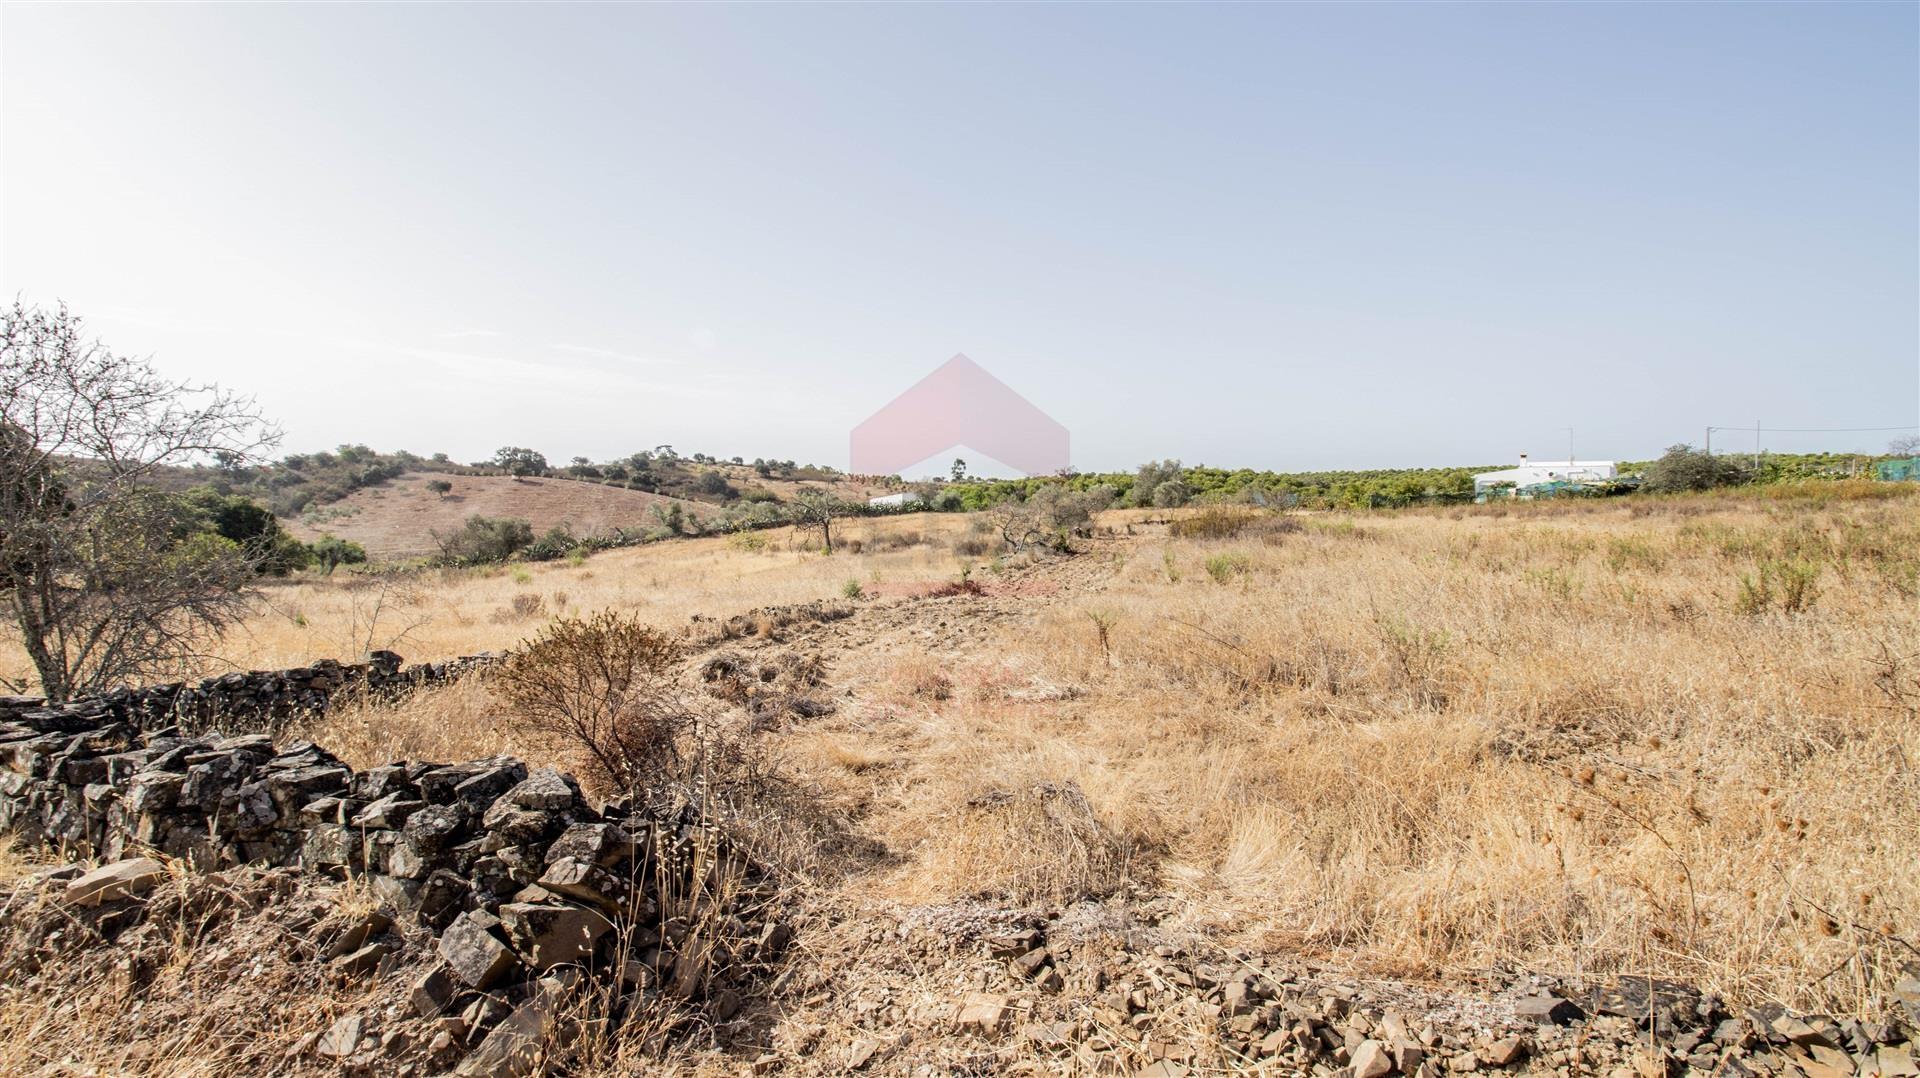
512	869
259	700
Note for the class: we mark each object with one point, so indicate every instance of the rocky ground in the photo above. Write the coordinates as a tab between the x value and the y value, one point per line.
147	965
281	971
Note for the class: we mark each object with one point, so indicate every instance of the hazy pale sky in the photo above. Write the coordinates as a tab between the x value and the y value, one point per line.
1289	236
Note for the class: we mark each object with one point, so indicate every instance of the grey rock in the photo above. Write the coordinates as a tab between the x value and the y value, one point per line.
474	954
549	935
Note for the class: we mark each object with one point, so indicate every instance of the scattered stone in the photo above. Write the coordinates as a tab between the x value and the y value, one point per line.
1548	1010
586	882
520	1045
1371	1060
546	790
1896	1062
355	933
1505	1051
360	962
432	991
342	1039
982	1012
1031	963
389	812
1801	1032
134	876
861	1053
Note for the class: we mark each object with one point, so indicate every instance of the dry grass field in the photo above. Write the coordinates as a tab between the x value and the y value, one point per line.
1672	737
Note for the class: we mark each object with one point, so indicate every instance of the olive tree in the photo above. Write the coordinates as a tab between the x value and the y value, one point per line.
1156	474
1684	468
102	581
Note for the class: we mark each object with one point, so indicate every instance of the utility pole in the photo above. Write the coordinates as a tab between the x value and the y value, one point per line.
1756	445
1709	441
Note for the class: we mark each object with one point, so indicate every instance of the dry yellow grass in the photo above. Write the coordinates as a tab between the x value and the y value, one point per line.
437	613
1586	738
1433	741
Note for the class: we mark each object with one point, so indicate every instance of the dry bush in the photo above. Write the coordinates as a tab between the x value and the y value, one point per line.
524	606
1231	522
976	546
600	691
920	676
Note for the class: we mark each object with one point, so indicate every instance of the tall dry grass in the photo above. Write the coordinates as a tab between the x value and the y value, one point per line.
1570	735
1437	741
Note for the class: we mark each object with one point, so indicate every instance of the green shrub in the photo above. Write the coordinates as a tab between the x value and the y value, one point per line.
330	551
1151	476
714	485
1171	494
1225	567
1683	468
1791	583
486	539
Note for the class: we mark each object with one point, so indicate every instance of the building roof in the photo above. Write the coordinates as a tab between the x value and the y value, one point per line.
1537	471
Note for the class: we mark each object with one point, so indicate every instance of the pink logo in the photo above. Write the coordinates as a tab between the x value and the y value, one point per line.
959	404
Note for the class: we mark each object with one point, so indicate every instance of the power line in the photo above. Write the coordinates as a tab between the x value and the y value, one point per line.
1818	430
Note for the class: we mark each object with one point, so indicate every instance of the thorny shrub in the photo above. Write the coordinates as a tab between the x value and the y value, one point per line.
601	691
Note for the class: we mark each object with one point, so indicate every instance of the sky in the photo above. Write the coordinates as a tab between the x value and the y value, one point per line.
1291	237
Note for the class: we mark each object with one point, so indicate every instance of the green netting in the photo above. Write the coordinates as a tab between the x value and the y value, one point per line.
1898	471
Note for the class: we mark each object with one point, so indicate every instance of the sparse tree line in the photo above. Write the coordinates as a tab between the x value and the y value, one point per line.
299	483
1167	484
483	540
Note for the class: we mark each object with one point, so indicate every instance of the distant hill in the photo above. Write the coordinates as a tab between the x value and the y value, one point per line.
398	517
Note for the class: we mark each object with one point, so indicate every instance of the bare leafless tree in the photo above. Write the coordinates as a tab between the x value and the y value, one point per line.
813	508
1907	445
100	581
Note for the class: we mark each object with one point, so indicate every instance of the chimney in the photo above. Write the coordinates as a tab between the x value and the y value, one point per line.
1523	460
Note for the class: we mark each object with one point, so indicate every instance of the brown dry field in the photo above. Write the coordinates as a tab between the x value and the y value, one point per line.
398	517
1416	744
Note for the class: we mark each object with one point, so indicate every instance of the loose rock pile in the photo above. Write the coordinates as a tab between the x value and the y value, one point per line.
1099	990
512	870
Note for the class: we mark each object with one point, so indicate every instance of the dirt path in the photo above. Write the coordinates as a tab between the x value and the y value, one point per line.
948	623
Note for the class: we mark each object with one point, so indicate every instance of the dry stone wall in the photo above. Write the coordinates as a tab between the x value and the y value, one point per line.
258	700
510	868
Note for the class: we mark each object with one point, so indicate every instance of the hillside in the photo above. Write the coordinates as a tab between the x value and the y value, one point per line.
399	516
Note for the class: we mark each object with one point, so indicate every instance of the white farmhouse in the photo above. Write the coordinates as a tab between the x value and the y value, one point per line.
1534	472
902	499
